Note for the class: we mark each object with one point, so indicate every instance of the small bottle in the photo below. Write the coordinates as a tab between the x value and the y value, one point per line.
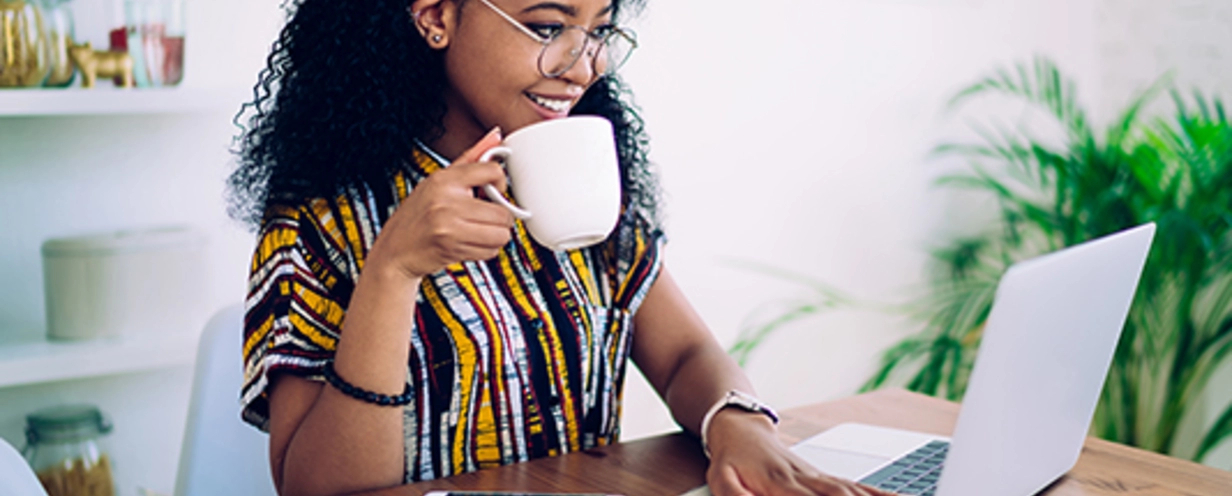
152	33
128	31
64	446
59	20
157	28
173	42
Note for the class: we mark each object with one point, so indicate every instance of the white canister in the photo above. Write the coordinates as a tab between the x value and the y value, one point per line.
124	282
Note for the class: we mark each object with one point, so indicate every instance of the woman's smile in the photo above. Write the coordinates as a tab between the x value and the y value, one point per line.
553	105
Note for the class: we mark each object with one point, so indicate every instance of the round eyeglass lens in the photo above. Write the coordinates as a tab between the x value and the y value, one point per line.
614	53
606	55
562	52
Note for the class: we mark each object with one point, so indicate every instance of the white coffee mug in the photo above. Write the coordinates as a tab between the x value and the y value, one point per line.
565	176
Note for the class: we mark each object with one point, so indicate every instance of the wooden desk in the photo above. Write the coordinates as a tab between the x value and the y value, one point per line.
672	464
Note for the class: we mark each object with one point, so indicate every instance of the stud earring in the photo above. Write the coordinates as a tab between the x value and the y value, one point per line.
436	38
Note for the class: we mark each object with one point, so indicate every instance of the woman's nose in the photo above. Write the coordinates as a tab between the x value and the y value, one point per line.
583	70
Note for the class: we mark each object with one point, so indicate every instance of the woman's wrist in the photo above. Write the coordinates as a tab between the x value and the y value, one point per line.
371	351
740	400
730	425
387	272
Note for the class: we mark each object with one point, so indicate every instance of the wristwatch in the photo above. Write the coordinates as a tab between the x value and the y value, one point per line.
738	399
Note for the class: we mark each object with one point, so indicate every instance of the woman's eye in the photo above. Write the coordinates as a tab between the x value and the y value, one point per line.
603	31
546	30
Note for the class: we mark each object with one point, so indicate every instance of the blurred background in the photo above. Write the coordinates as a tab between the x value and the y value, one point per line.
789	133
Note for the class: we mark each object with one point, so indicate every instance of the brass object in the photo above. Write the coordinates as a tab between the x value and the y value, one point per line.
94	64
23	40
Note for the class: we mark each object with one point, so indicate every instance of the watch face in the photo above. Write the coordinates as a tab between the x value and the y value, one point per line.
747	402
744	401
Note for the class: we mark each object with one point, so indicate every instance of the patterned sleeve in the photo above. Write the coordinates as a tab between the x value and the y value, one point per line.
637	250
296	300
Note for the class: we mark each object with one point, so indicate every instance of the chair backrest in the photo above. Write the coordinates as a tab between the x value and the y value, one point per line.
221	454
16	476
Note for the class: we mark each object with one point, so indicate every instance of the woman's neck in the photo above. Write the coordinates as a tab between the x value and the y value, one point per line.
460	130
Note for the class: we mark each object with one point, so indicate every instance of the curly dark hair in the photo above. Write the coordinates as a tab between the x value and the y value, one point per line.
348	88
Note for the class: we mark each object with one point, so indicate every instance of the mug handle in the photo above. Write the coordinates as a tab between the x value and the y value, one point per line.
502	153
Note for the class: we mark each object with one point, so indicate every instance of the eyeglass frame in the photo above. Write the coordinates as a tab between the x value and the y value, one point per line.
628	35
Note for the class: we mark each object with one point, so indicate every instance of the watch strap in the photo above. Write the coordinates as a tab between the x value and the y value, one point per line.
738	399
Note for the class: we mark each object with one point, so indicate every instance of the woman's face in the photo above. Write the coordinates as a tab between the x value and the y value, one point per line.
493	67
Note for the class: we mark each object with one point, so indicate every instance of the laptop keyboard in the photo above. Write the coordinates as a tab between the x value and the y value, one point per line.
915	473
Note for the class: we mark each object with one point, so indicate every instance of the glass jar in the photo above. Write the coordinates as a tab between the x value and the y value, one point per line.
58	17
64	446
23	45
173	42
152	32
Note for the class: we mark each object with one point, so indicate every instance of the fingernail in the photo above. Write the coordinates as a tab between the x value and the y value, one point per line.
496	131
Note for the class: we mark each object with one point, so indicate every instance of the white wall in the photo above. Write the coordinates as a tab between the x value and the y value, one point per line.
64	176
1141	40
791	132
795	133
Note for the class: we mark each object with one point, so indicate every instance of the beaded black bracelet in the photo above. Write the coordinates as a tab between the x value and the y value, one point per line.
363	394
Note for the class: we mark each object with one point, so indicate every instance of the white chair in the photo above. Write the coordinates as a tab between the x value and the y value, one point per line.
16	476
221	454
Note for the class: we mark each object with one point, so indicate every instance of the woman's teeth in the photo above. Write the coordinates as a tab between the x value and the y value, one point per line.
549	103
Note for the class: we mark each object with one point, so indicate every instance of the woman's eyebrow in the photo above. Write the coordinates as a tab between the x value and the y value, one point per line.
568	10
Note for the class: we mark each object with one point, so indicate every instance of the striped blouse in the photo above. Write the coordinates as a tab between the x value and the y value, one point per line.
514	358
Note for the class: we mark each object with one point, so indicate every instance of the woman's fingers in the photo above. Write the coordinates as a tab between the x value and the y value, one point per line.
477	150
823	484
727	483
780	474
878	492
819	481
475	222
486	213
486	237
490	172
442	222
475	174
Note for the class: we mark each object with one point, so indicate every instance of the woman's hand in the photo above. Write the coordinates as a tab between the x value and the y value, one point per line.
747	459
442	222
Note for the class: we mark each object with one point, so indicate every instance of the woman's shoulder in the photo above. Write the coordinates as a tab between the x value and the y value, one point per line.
637	227
636	239
340	227
358	203
286	222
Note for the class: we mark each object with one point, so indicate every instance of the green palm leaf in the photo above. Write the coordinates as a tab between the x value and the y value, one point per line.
1173	169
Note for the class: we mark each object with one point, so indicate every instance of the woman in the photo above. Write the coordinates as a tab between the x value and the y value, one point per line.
464	344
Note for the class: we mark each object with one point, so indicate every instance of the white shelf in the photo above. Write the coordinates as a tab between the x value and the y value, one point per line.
34	362
115	101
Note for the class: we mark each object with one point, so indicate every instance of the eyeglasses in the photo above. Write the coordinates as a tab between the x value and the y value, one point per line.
607	47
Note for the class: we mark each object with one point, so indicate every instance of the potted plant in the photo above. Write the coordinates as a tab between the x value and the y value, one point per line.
1175	170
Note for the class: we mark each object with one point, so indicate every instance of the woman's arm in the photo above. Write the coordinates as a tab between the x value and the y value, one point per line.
678	355
684	363
323	441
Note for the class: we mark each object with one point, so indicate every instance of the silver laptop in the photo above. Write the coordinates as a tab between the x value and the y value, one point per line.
1046	349
1047	345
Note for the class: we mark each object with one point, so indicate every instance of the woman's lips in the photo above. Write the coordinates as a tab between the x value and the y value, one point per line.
551	105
